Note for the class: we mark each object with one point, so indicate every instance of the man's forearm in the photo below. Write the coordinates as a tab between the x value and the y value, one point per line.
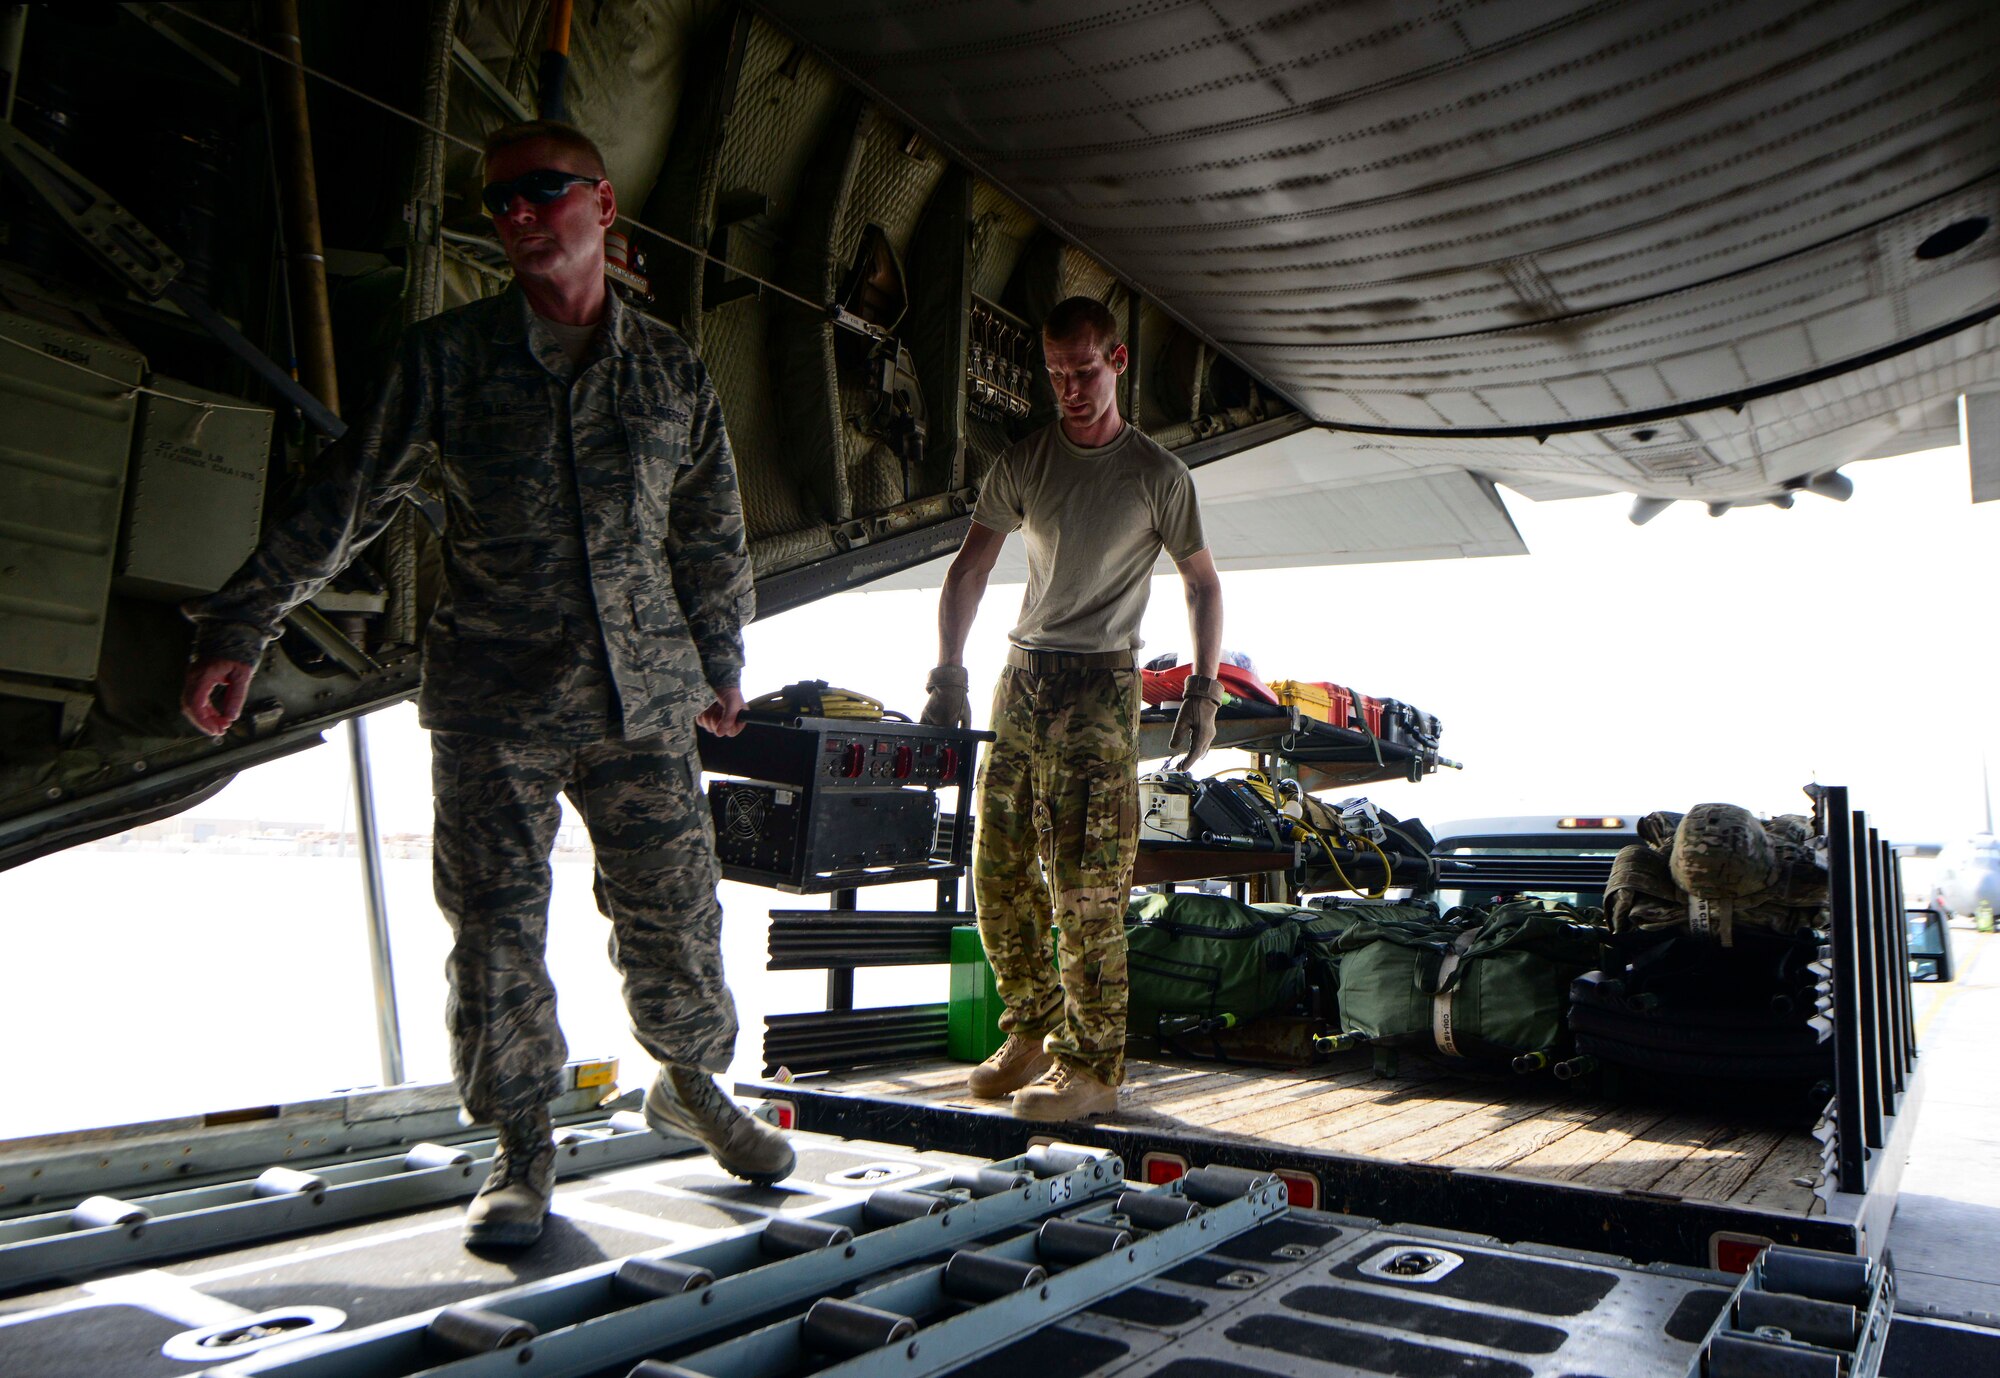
958	605
1204	602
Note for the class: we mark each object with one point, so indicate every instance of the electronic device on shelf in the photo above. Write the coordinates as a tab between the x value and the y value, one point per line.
817	804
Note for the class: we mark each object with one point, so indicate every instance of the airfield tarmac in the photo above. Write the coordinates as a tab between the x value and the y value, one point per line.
1946	1234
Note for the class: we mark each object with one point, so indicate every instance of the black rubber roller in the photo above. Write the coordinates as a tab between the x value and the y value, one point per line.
1052	1160
970	1275
1739	1356
1218	1186
848	1327
893	1205
1156	1210
1828	1323
1819	1276
1077	1241
659	1277
991	1181
785	1237
465	1330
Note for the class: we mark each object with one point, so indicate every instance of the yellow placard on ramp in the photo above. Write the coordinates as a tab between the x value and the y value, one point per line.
597	1073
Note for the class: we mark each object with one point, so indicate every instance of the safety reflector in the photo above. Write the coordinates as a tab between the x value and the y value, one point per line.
1607	822
787	1113
1301	1188
1734	1253
1158	1169
597	1073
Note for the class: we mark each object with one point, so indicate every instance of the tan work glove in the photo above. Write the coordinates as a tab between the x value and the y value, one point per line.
950	705
1194	725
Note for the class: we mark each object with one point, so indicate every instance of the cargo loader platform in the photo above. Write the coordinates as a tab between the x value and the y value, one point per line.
1498	1154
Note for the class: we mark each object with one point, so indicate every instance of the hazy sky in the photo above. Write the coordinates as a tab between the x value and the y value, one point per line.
1613	668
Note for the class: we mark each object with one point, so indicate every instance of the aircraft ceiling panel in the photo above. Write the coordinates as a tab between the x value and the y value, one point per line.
1484	215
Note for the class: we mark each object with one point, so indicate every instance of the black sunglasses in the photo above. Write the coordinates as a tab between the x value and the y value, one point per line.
537	188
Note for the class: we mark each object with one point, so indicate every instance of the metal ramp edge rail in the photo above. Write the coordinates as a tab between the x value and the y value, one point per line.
43	1172
608	1314
107	1232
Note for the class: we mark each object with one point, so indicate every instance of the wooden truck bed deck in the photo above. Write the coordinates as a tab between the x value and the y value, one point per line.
1432	1117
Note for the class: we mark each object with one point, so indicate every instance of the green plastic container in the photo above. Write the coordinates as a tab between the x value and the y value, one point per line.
973	1024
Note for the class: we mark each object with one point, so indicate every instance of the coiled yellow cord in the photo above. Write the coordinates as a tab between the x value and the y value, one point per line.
1268	792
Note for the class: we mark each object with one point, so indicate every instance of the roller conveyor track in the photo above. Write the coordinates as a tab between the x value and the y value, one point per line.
667	1268
595	1319
111	1231
1804	1314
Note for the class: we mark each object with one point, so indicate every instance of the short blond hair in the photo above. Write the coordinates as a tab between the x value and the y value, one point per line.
1074	317
565	136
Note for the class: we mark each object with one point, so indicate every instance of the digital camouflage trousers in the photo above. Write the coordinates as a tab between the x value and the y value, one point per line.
497	814
1058	806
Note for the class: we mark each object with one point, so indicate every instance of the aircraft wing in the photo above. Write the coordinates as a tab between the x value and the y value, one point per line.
1310	498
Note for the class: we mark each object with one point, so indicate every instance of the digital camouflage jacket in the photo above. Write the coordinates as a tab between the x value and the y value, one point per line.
477	396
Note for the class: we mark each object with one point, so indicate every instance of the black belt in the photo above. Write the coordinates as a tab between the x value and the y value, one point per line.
1049	662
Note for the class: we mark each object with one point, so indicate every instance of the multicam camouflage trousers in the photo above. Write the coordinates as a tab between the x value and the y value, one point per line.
497	813
1058	810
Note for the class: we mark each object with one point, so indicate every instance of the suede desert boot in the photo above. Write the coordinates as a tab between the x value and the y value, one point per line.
686	1101
509	1210
1013	1065
1065	1094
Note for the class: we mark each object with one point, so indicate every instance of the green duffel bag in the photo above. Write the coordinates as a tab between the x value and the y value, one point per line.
1194	958
1470	984
1326	923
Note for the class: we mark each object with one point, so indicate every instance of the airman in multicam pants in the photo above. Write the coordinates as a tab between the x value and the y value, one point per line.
1058	795
1058	833
596	581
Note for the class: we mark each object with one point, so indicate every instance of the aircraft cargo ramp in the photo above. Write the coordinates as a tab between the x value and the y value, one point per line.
877	1259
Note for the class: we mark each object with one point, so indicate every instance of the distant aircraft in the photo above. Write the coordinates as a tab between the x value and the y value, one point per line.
1968	873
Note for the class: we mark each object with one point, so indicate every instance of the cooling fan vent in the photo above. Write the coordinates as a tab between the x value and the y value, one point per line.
743	814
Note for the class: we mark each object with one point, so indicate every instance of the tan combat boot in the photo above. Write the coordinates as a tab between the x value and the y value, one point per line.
686	1101
1013	1065
1065	1094
509	1209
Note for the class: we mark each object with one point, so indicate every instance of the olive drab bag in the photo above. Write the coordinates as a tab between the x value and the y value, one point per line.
1326	922
1716	867
1473	984
1193	957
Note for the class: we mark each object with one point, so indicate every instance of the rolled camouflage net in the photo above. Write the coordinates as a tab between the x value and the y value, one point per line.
1714	867
1641	892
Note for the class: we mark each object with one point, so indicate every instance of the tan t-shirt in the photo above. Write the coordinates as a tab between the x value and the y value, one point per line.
1094	522
574	340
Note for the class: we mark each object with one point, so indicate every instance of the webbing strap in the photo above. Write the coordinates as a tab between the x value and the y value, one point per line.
1447	992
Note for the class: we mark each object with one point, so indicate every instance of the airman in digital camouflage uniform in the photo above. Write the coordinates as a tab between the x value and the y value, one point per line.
1058	793
596	584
